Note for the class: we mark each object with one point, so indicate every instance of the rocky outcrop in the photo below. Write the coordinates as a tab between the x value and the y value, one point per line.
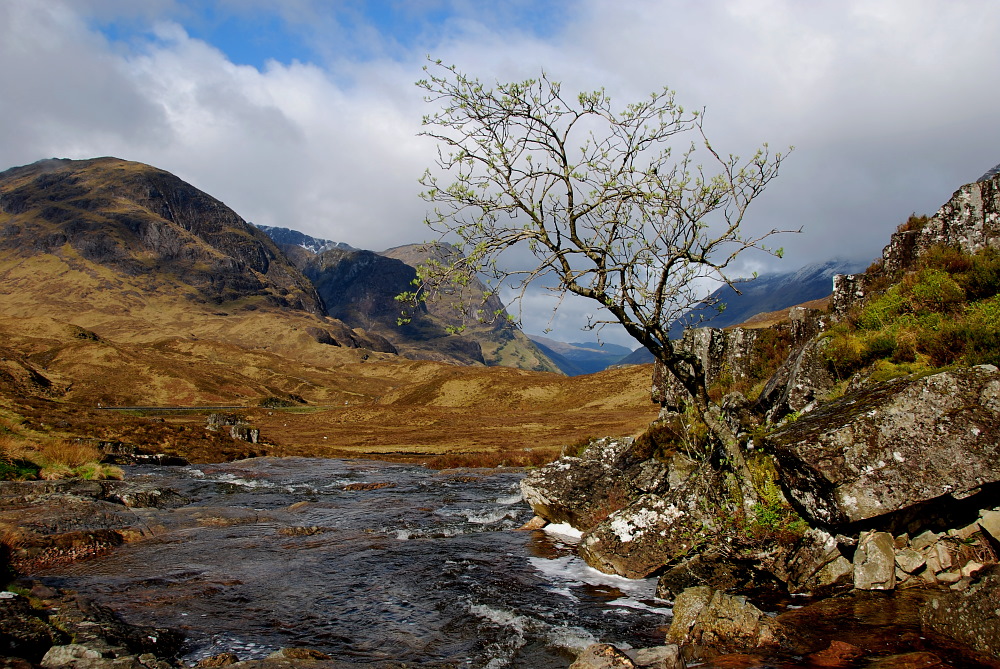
70	631
584	491
47	522
238	427
893	445
722	353
803	379
969	221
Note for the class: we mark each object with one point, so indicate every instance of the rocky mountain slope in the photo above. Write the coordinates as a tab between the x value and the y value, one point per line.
132	252
359	287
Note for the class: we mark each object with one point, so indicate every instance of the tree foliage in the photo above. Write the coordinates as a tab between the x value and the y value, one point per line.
631	207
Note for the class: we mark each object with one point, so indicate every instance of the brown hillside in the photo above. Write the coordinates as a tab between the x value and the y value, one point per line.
121	285
137	255
53	377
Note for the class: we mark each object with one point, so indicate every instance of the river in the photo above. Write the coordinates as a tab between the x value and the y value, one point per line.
365	561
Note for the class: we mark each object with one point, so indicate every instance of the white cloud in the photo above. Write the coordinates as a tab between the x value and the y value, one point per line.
891	104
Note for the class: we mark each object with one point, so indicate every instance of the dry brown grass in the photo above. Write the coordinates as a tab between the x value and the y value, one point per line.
65	453
381	408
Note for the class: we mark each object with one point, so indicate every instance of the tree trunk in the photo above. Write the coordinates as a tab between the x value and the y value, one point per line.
711	413
690	372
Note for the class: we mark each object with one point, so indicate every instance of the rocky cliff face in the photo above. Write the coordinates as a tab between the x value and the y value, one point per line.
969	221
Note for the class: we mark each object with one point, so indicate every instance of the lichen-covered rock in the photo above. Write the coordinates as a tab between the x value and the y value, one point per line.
815	565
602	656
972	616
875	562
652	532
707	617
892	445
584	491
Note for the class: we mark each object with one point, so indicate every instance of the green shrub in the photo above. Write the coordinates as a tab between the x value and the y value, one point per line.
883	310
982	279
934	290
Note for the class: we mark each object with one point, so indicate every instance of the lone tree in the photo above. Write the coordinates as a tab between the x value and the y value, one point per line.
599	197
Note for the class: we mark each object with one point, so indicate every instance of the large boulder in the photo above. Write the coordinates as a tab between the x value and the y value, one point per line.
583	491
893	445
654	531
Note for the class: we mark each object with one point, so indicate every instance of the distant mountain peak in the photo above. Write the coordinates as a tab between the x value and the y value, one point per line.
287	236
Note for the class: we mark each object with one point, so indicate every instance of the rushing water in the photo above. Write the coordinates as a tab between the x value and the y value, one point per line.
272	553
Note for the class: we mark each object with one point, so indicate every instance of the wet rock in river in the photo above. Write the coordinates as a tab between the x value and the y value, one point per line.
602	656
971	616
707	617
22	631
712	568
583	491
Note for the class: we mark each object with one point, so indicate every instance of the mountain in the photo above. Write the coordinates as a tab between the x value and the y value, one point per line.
359	287
766	293
575	359
502	342
289	237
123	285
134	253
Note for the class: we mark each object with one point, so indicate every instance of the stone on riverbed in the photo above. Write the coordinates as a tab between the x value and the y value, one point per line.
707	617
602	656
875	562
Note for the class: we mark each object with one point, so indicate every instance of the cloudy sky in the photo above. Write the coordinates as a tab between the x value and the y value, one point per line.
303	113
